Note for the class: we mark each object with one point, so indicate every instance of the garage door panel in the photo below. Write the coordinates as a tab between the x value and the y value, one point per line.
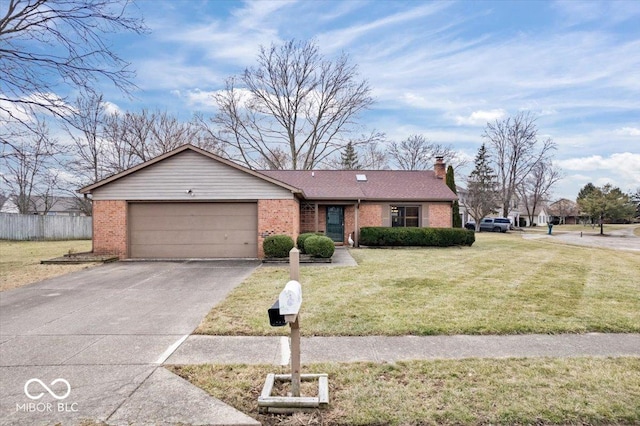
186	251
194	209
224	223
195	237
193	230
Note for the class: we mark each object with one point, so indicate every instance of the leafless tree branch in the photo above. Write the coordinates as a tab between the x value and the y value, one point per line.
294	109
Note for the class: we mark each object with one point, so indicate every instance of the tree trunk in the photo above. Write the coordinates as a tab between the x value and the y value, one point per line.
601	226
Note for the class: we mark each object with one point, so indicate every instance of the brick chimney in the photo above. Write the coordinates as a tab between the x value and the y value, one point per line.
439	168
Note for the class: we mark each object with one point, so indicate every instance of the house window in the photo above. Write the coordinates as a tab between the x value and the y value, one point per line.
405	216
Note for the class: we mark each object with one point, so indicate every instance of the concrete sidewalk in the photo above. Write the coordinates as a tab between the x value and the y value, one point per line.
275	350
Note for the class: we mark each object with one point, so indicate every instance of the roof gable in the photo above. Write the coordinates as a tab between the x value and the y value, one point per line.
145	167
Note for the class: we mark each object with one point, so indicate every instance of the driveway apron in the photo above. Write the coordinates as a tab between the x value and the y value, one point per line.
81	346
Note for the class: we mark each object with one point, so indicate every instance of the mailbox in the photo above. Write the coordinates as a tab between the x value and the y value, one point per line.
290	298
275	319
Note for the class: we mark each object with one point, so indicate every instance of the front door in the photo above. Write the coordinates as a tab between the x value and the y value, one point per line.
335	223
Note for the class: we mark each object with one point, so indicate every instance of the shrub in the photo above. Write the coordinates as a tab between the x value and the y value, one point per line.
303	237
277	245
425	237
319	246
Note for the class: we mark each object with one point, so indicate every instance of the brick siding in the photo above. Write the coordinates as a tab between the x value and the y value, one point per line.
110	227
277	217
440	215
368	215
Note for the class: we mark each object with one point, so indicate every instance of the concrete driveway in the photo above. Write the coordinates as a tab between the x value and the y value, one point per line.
621	239
105	331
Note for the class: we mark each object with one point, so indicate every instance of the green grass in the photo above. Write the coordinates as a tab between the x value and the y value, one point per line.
503	284
20	260
590	391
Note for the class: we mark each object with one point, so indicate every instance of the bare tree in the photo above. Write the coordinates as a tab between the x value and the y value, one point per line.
3	198
372	157
515	152
118	154
88	149
28	168
481	197
417	153
535	188
293	101
52	47
148	134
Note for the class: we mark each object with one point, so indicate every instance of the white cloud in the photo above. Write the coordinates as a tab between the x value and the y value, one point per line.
10	110
111	108
200	98
620	169
628	131
338	39
624	161
481	117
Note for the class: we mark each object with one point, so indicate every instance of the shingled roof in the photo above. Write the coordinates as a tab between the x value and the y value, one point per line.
391	185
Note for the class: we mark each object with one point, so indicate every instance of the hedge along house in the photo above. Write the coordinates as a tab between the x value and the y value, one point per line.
189	203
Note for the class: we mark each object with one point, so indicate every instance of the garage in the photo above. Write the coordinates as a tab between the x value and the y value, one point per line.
170	230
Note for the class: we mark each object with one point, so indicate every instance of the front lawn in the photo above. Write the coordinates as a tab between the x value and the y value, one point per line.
503	284
20	260
589	391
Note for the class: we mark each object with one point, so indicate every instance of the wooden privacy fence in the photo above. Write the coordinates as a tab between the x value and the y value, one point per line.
26	227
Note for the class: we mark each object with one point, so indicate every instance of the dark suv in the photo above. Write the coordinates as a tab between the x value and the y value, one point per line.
495	224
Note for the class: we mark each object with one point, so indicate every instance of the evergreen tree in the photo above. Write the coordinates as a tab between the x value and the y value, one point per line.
585	191
349	158
606	202
451	183
483	196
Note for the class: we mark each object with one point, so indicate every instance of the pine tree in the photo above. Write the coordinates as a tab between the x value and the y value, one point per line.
349	158
451	183
483	196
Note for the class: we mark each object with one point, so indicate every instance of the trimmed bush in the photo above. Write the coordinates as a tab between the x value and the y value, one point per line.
303	237
422	237
277	246
319	246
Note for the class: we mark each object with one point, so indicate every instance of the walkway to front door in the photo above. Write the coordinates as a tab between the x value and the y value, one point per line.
335	223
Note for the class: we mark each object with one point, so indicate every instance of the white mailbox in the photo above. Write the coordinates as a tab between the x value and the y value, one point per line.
290	298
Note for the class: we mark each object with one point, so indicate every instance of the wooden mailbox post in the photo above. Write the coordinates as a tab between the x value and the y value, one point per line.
289	303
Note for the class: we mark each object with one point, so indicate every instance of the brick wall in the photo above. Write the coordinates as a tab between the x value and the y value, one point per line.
277	217
440	215
368	215
110	227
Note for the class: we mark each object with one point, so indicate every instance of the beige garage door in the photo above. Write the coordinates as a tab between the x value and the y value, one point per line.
193	230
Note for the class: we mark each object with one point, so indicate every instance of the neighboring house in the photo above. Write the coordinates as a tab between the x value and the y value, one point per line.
517	214
565	211
9	206
51	206
189	203
540	217
464	213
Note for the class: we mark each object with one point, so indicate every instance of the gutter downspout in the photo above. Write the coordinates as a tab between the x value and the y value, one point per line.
356	232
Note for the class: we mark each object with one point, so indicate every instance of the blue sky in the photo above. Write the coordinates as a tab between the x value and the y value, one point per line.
441	69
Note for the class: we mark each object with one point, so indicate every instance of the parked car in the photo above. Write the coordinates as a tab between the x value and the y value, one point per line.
470	225
495	224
